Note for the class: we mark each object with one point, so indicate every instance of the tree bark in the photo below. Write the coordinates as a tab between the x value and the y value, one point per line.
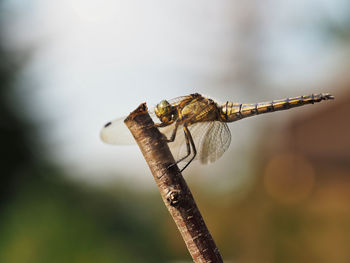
172	186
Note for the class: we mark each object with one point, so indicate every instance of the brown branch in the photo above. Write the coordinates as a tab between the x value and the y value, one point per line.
173	188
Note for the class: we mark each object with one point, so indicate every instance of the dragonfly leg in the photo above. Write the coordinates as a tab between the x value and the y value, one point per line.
189	139
183	158
163	124
172	138
188	145
173	135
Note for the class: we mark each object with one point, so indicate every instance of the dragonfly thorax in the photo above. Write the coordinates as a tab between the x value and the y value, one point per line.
165	111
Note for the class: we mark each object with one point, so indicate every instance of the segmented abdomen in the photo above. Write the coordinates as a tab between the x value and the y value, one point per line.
232	111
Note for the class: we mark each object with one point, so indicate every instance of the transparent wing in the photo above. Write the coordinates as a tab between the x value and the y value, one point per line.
210	138
116	132
215	142
177	100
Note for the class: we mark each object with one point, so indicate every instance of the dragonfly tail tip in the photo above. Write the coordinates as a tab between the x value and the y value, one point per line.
328	96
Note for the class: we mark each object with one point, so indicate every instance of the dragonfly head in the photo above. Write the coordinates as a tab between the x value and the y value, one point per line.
164	111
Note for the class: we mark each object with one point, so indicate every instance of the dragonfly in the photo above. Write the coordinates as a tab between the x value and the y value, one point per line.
195	126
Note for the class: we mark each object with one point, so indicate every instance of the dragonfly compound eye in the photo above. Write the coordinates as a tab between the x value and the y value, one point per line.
163	111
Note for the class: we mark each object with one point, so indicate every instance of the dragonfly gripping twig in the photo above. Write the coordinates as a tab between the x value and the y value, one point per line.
173	188
195	127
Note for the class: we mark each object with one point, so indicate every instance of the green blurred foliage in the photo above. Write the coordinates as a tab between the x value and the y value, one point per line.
55	221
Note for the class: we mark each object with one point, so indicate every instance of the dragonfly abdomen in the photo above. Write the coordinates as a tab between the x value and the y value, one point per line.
232	111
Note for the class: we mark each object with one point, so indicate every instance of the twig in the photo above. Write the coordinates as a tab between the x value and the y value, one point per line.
173	188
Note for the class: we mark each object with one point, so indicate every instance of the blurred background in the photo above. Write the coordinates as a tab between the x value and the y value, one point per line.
281	192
